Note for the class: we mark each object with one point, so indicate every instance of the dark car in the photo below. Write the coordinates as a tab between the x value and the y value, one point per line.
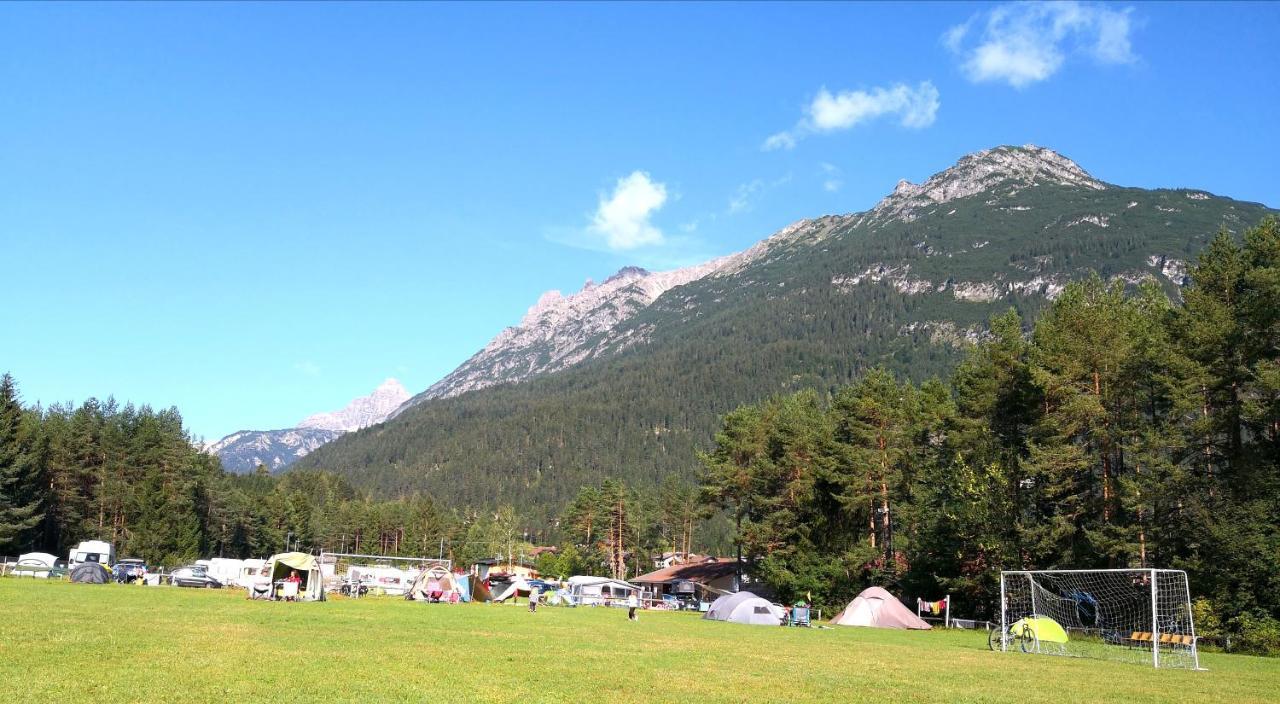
129	571
193	576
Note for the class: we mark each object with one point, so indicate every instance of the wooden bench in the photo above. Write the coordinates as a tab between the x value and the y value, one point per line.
1141	638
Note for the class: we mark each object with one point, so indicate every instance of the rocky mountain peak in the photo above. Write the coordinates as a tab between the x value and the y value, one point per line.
905	188
627	273
362	412
277	449
1008	168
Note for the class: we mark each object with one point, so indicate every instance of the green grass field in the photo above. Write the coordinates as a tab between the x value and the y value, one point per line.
71	642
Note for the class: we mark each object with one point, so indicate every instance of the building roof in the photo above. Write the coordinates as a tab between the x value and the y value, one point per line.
699	572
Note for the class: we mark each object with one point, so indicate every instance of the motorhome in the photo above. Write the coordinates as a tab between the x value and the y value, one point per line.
98	551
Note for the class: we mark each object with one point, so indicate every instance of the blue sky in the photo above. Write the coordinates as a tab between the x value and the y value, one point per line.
258	212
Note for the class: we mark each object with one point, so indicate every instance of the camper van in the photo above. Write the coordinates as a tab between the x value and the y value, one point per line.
98	551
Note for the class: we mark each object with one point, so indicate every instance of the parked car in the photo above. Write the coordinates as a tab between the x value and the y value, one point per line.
129	571
193	576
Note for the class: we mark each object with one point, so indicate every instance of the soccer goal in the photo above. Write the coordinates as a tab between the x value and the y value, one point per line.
1140	616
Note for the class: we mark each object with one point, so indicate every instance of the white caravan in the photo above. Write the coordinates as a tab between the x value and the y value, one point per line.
250	572
225	570
98	551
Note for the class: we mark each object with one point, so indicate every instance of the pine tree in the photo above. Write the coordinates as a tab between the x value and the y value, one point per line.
21	470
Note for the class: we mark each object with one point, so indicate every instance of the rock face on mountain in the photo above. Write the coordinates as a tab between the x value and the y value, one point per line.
630	378
245	450
560	331
1003	169
362	412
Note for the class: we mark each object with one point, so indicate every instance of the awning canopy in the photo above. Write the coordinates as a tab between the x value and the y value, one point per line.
298	561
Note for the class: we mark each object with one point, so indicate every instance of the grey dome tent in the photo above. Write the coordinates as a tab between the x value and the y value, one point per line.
745	607
90	573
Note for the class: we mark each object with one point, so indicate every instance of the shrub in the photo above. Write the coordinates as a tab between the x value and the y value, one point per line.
1257	634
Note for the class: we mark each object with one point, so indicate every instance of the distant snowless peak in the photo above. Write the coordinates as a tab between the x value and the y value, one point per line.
362	412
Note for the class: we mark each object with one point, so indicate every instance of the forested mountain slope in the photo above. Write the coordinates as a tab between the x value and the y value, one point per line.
904	285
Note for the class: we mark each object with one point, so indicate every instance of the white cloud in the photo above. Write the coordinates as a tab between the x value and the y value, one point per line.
781	140
623	218
741	198
307	367
745	196
832	182
828	112
1024	43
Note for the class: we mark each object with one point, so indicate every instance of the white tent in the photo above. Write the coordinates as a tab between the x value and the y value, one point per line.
877	608
436	584
745	607
30	564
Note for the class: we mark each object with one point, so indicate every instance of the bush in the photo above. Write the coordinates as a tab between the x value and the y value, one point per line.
1208	623
1257	634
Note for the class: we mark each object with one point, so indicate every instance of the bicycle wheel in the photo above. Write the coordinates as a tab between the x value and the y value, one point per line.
995	640
1028	642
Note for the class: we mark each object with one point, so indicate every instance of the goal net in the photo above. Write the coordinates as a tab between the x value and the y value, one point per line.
1134	615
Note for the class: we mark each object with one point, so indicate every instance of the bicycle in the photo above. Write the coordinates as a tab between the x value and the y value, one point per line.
1024	636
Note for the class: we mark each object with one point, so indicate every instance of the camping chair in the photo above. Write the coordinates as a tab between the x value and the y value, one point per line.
798	616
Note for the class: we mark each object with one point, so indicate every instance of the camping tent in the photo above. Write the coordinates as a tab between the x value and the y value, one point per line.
35	564
517	588
1045	629
308	568
437	584
878	608
745	607
479	589
90	573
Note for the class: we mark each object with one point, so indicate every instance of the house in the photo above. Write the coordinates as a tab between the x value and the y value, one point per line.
496	568
668	559
703	579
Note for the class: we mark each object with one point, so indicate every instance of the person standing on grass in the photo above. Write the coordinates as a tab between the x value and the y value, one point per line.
632	604
533	599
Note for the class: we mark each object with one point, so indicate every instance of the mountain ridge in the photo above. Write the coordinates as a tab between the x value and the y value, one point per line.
245	450
809	307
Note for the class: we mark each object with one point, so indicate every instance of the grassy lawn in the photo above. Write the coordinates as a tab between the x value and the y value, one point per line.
75	642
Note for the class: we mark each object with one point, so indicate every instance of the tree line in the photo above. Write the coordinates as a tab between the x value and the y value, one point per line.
1124	430
132	476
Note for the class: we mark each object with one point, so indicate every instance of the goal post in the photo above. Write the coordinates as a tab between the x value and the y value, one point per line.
1134	615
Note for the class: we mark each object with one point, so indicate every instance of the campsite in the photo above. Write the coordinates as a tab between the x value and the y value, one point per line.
578	352
214	645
